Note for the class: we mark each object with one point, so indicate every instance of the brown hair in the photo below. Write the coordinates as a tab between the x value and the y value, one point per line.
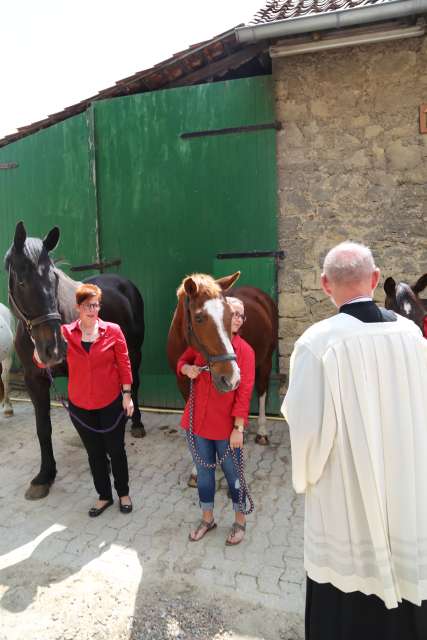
85	291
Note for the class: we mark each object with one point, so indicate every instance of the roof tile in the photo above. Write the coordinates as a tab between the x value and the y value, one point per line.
284	9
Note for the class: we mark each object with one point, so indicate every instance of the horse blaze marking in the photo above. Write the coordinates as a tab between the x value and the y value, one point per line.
423	118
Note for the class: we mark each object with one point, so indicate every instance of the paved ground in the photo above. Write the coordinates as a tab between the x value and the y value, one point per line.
137	577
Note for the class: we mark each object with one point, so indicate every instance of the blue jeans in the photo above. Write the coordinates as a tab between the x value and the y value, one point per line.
208	450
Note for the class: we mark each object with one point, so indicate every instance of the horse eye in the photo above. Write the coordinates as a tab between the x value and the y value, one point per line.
198	318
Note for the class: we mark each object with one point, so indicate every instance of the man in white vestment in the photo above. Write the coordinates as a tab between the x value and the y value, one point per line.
357	413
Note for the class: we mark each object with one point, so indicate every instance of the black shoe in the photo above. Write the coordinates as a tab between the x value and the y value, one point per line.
94	512
125	508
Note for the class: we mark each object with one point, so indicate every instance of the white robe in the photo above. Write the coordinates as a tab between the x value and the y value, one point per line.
357	412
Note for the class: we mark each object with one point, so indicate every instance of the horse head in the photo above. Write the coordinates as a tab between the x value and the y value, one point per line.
33	291
404	300
207	325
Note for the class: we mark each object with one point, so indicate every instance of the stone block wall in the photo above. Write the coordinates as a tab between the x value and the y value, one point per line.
351	165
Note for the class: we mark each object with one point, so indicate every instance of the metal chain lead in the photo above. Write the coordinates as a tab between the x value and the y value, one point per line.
239	465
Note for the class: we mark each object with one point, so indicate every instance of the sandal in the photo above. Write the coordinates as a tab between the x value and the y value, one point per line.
207	526
235	527
262	440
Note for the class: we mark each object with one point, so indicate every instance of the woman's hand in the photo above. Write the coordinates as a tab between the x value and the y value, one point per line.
128	404
236	439
190	370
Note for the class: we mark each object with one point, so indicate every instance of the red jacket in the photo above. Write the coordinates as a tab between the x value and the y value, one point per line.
214	411
95	378
425	327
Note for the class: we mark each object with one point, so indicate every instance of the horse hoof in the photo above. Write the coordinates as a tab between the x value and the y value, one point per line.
262	440
138	431
192	481
8	413
37	491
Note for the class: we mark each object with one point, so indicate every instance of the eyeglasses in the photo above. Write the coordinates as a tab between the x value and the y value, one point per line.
238	316
91	306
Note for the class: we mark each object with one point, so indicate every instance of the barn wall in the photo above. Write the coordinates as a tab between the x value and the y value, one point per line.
352	165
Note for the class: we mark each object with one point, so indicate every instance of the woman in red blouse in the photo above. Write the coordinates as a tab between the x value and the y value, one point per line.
99	390
219	420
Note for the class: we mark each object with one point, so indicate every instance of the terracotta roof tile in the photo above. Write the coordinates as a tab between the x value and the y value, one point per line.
283	9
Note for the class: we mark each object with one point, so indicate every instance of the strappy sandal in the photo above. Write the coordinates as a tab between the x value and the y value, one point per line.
235	527
207	526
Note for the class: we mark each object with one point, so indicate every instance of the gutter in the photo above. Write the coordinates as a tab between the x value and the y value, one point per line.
388	10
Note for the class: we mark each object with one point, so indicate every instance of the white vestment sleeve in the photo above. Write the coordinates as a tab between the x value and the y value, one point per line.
309	411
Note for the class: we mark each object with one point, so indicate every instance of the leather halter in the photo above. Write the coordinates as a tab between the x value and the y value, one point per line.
191	335
29	323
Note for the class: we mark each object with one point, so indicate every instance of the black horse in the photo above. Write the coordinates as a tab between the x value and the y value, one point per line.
405	300
42	297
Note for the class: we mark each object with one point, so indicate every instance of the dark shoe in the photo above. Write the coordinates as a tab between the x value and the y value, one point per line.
94	512
125	508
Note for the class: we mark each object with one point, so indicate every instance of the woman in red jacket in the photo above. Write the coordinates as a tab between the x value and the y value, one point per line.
219	420
99	390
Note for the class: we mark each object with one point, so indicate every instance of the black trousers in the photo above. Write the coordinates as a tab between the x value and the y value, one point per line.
98	445
331	614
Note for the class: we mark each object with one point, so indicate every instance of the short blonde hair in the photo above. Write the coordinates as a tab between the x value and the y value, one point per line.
233	301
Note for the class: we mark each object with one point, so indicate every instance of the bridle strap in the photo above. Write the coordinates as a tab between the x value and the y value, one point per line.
192	336
29	323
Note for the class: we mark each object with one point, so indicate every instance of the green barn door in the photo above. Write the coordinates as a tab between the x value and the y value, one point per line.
256	272
176	187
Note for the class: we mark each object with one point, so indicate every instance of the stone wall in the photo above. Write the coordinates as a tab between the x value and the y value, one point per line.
351	165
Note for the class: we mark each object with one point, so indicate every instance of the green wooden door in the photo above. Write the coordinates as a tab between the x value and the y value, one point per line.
168	204
256	272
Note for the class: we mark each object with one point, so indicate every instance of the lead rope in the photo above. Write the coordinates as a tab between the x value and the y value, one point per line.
60	398
239	465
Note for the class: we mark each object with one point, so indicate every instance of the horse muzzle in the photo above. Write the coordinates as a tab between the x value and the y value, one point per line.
225	383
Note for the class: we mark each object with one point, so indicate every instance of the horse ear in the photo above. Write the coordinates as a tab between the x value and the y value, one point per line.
390	287
420	284
190	287
20	237
228	281
51	240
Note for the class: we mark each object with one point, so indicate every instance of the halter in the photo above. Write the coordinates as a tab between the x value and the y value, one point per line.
29	323
209	359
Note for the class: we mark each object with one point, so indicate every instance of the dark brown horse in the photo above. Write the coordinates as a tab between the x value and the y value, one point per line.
405	300
259	330
42	297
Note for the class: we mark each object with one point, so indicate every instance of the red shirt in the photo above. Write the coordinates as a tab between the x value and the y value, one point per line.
425	327
214	411
95	378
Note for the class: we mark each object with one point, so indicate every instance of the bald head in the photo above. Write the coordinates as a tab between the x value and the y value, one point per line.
349	262
349	271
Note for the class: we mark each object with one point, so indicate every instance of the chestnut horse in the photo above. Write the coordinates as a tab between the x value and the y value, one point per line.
42	297
259	330
404	299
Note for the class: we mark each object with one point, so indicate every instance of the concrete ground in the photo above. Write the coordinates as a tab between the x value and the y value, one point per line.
66	576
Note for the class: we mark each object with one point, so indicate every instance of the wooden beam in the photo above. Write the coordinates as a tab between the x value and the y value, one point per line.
233	61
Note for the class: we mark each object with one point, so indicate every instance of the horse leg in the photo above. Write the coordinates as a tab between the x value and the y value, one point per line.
38	389
7	406
261	384
137	429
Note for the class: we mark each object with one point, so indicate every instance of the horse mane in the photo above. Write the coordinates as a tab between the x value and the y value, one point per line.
33	249
205	284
